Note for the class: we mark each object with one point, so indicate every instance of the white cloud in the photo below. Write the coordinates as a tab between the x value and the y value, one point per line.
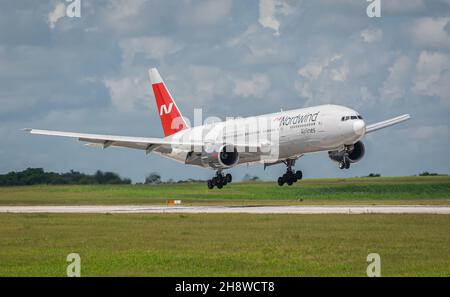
399	74
399	6
257	86
207	13
128	94
422	133
56	14
339	74
371	35
268	11
122	15
123	9
329	80
209	83
314	69
432	75
258	47
431	33
150	47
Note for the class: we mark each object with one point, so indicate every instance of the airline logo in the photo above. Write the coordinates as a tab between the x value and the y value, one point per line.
165	110
171	119
170	116
299	119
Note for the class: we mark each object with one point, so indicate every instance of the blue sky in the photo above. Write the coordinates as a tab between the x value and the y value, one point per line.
230	58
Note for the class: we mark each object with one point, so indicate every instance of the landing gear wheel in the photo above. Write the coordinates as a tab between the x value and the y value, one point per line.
280	181
219	180
290	177
344	165
228	178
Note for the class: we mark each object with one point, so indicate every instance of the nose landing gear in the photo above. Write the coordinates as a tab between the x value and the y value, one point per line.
290	177
345	162
220	180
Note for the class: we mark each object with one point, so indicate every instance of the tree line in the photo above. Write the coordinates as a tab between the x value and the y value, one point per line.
37	176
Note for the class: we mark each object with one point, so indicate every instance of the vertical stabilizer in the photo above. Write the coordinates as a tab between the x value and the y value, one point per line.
171	119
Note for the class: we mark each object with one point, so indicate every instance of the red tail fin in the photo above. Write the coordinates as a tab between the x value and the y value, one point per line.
171	118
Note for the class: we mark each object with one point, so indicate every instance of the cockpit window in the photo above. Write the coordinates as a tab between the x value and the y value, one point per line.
346	118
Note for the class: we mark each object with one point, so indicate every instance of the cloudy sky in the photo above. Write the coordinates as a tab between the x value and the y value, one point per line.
230	58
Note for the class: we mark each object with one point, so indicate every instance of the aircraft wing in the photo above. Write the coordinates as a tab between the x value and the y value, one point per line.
142	143
387	123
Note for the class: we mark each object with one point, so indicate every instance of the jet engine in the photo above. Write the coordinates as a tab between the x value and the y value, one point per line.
224	156
353	153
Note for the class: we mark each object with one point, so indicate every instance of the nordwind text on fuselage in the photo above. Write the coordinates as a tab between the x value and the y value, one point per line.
299	119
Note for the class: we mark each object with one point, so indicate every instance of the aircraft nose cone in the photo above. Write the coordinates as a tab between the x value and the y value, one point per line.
359	127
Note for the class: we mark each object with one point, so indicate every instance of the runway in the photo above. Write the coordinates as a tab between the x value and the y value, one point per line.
336	209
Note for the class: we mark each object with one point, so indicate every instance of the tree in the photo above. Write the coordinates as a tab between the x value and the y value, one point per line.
153	178
37	176
374	175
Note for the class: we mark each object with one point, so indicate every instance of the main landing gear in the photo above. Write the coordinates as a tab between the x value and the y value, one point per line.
290	176
219	180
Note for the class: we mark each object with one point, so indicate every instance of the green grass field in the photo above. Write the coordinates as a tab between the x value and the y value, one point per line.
392	190
224	244
229	244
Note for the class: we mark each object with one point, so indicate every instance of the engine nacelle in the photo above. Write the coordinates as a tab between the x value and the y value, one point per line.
224	156
355	153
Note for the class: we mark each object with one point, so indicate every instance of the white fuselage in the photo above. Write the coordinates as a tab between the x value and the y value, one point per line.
290	133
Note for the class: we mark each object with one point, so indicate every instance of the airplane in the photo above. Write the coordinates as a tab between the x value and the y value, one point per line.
277	138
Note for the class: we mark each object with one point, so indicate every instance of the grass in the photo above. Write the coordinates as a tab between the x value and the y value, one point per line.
224	244
384	190
229	244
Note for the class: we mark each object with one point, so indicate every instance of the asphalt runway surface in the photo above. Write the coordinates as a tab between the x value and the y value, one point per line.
335	209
